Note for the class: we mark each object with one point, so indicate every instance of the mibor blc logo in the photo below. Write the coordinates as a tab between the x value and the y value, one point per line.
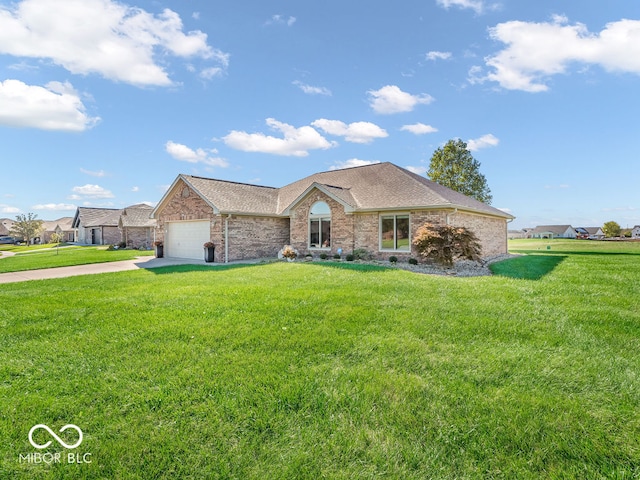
57	438
55	457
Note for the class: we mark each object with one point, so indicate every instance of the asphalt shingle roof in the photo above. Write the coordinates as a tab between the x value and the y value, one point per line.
137	216
381	186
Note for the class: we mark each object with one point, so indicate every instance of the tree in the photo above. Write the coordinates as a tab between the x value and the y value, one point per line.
611	229
27	227
57	238
453	166
446	243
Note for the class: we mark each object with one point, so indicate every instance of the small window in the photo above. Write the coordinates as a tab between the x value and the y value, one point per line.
394	233
320	226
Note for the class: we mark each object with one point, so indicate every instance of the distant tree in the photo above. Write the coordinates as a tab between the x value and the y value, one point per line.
611	229
453	166
57	238
27	227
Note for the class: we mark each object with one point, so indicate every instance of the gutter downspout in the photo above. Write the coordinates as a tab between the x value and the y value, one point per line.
449	214
226	239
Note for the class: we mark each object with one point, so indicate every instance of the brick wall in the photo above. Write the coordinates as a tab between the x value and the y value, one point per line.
256	237
138	237
491	231
342	225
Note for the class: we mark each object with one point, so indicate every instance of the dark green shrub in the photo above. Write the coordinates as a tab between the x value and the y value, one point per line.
413	261
323	256
393	259
350	258
336	256
362	254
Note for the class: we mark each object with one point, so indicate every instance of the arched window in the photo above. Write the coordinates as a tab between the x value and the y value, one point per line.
320	226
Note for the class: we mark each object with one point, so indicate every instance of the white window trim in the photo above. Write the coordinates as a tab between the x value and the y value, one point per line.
395	218
321	217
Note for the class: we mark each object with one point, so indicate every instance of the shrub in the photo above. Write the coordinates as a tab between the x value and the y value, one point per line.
122	245
323	256
336	256
350	257
446	243
362	254
413	261
393	259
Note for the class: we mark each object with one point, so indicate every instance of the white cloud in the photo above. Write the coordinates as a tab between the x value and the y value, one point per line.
295	142
98	173
438	55
54	206
537	51
106	37
211	72
475	5
88	190
135	189
310	90
281	20
354	162
357	132
8	209
390	99
417	170
200	155
419	128
56	106
485	141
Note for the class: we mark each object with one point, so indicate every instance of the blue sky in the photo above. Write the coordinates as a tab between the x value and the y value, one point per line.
103	103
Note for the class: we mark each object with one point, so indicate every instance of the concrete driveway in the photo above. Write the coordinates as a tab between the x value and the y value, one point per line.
61	272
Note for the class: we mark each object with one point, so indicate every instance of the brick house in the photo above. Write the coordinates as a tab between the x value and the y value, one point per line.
375	207
111	226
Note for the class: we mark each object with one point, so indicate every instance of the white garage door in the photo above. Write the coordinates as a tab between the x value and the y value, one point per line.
186	239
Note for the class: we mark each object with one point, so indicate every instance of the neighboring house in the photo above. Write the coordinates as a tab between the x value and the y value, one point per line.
553	231
513	234
375	207
136	226
97	226
635	232
5	226
595	233
581	233
61	226
110	226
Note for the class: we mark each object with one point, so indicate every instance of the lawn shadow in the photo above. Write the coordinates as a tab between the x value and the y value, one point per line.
527	267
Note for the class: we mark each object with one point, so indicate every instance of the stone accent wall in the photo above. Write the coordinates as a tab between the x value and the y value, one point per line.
342	225
256	237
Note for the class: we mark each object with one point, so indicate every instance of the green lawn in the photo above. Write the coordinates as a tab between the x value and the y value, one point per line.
30	258
308	370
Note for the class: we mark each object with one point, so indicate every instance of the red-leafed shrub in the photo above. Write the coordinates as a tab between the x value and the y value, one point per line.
445	244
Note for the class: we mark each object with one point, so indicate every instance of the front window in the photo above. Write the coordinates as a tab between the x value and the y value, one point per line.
394	233
320	226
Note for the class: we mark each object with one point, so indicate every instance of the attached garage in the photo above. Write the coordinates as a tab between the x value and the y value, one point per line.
186	239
